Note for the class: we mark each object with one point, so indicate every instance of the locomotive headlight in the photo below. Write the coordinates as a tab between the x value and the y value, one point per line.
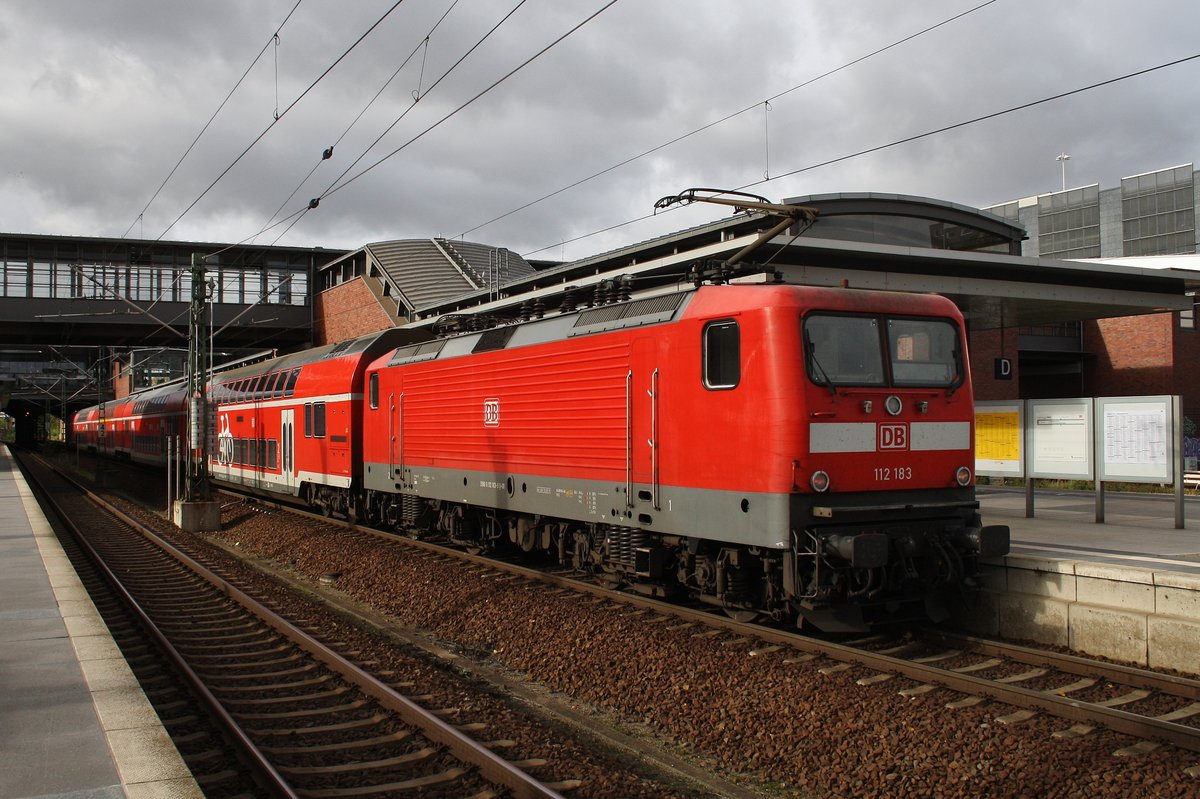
963	476
819	482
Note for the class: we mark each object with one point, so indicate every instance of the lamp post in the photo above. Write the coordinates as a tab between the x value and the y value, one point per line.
1063	158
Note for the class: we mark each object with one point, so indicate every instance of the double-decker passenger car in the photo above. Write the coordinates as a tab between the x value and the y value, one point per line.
136	427
292	425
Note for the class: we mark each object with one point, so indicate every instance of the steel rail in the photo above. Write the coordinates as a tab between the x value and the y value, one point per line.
259	762
1144	727
1074	710
1132	676
491	766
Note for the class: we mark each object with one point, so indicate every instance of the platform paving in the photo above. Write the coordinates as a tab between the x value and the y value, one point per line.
74	724
1136	526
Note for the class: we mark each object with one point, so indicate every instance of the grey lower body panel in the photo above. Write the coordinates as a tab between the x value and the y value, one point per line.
748	518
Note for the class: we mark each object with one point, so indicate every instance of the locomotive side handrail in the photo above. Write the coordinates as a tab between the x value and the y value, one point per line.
655	479
629	439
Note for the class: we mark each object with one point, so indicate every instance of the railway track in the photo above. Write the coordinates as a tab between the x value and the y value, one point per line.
307	720
1086	694
753	697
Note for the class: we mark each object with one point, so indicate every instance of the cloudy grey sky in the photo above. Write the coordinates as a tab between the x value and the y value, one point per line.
101	99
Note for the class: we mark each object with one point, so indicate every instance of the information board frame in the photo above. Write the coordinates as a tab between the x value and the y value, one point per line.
1135	439
1061	439
1001	466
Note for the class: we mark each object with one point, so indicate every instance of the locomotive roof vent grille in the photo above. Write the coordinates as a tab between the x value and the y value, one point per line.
628	314
340	348
426	351
494	339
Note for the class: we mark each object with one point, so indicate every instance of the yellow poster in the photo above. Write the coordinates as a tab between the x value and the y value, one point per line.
998	436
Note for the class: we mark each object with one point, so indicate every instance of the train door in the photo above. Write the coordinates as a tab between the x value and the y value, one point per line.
287	448
396	438
644	428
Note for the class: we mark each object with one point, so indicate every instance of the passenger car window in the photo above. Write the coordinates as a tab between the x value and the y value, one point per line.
319	420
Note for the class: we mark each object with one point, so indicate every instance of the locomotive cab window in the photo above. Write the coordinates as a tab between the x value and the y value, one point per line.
373	390
924	352
868	351
843	350
722	355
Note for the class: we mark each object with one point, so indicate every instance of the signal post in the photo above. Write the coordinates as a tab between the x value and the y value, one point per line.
197	512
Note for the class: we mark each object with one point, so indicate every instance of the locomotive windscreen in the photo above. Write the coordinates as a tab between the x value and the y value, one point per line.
924	352
850	350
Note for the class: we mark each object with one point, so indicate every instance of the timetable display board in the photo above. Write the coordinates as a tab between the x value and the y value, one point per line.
1135	439
1060	441
999	442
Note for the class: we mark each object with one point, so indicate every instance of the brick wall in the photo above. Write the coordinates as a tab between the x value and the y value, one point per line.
1187	364
347	311
985	347
1132	356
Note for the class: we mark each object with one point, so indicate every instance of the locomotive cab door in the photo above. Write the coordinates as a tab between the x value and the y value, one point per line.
644	428
287	448
396	441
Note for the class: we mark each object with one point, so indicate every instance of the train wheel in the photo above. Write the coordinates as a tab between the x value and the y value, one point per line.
740	615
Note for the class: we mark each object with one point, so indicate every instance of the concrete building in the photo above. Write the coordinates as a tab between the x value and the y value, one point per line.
1149	220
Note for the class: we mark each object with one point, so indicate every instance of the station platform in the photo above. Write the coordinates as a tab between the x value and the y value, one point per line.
1126	589
1137	528
74	723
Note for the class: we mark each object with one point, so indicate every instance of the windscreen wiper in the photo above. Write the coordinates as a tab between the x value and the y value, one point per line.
812	357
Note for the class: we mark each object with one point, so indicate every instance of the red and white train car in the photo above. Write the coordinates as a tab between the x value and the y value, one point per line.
136	427
771	449
291	425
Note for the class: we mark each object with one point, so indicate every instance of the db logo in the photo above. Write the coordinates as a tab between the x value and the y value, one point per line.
893	436
491	413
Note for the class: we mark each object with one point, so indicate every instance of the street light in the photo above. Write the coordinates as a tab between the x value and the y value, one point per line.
1063	158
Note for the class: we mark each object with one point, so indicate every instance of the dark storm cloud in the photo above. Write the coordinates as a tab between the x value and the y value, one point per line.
101	99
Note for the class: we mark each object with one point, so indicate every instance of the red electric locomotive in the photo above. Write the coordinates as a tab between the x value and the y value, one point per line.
771	449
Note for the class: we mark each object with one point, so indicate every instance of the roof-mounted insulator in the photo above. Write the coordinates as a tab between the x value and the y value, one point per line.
570	300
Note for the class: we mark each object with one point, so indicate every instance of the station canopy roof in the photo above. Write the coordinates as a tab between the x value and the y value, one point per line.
875	241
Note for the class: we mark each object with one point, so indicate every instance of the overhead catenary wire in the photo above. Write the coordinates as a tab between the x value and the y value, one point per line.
280	116
896	143
417	97
984	118
765	103
329	151
272	38
338	186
